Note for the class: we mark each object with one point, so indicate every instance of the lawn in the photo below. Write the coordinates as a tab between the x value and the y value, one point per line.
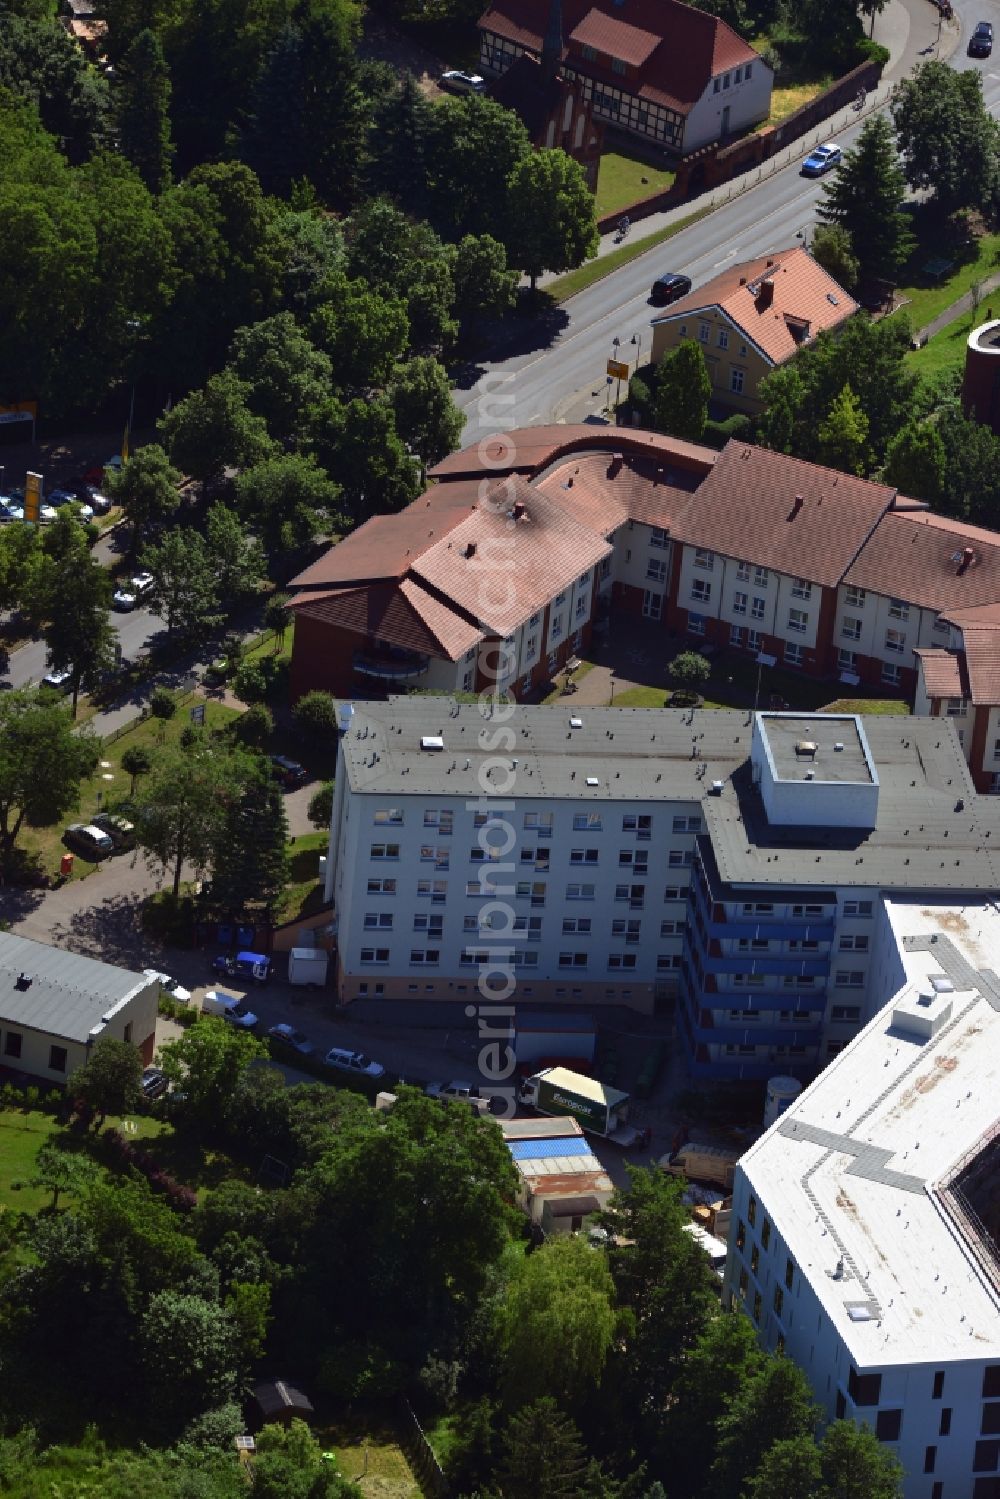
303	894
369	1453
653	697
592	271
785	101
924	297
946	350
624	180
21	1134
110	784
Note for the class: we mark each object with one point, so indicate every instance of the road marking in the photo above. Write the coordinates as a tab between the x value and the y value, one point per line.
730	256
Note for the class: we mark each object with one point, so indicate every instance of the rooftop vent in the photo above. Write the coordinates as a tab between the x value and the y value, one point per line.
470	549
743	281
838	747
716	788
593	781
23	981
833	300
431	742
576	723
614	467
810	775
517	511
968	557
805	747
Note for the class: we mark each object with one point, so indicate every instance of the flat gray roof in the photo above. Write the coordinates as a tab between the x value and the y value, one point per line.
933	833
788	737
68	994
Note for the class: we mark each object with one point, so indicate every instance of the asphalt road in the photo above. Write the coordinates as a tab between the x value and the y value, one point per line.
563	379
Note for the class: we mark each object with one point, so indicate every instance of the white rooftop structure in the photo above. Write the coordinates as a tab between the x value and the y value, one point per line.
878	1189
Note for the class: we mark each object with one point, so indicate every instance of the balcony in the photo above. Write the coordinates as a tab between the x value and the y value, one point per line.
390	665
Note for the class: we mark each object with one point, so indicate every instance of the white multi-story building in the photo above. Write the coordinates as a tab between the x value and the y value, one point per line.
865	1238
632	856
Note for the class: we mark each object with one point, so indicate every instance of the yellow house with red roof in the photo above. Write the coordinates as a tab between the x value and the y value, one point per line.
753	318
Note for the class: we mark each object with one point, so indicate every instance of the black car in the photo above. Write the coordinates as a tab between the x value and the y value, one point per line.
981	40
669	288
288	772
154	1083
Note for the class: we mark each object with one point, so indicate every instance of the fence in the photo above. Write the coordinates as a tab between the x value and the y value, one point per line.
420	1454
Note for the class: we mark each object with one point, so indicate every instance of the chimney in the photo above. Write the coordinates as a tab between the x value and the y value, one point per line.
770	264
799	502
552	46
765	296
614	467
743	281
470	548
23	981
517	511
968	557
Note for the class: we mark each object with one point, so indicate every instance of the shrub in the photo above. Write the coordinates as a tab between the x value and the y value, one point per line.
718	433
249	683
642	399
254	727
315	718
868	50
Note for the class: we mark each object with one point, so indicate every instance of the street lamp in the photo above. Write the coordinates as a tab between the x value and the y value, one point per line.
637	340
134	324
803	235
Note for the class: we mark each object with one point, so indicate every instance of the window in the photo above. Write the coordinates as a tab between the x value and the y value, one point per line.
794	653
957	708
752	1211
757	607
436	890
853	942
640	824
891	674
12	1044
754	640
864	1389
860	908
634	894
423	922
744	1282
849	978
765	1233
850	628
467	681
760	576
378	921
579	892
743	571
385	851
687	824
846	660
636	858
374	955
855	597
391	815
736	636
587	822
944	1425
741	1234
627	929
584	855
895	640
421	956
801	588
704	558
57	1059
560	598
621	960
747	71
701	591
736	378
723	338
986	1457
538	856
739	603
703	333
696	624
779	1297
556	628
658	537
532	925
667	961
798	620
755	1258
756	1306
439	857
725	81
617	65
898	609
887	1425
572	960
443	821
576	926
789	1274
938	1387
656	570
845	1012
539	823
930	1458
716	85
990	1425
381	887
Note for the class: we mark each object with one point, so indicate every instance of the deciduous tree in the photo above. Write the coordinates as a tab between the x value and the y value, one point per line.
250	862
235	554
282	372
183	802
214	428
558	1323
949	141
146	487
484	285
185	590
59	1169
774	1405
286	501
915	462
831	248
683	391
427	419
110	1080
207	1063
550	222
42	762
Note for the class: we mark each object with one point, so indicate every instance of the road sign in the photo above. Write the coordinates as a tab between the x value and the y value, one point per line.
198	715
32	497
617	370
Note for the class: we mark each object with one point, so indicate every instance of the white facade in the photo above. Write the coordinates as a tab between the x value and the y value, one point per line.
732	101
853	1247
886	629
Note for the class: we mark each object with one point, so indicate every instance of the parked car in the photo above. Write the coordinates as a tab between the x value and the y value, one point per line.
823	159
230	1008
287	1036
463	83
343	1060
215	673
981	40
118	828
88	840
669	288
169	986
128	595
449	1091
288	772
95	474
245	965
91	494
61	681
154	1082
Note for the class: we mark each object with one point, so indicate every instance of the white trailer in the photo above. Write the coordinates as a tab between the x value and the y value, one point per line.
308	965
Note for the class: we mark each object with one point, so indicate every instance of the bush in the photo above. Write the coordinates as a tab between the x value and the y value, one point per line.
254	727
216	1429
315	718
868	50
320	808
642	398
737	426
249	683
162	704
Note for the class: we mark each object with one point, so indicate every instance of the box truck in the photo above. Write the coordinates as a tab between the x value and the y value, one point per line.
703	1163
599	1109
307	965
